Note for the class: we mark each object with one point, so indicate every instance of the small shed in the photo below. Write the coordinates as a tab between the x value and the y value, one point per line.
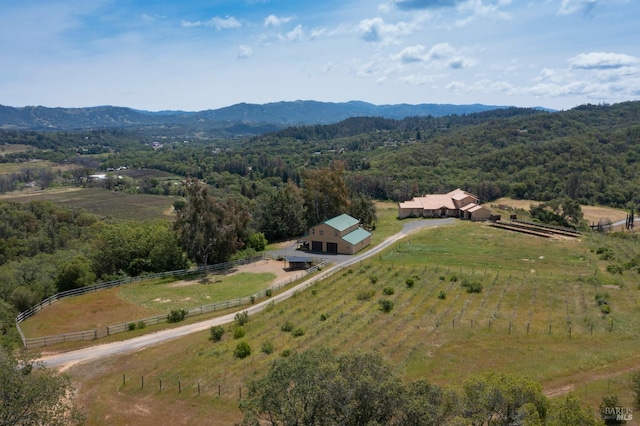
294	263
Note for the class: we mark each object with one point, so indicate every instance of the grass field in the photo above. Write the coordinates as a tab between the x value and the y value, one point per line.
536	315
15	148
135	301
103	203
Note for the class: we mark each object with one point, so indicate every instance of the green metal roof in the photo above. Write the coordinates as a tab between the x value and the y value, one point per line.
342	222
354	237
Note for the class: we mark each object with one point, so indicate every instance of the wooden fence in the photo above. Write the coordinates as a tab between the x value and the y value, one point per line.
118	328
218	306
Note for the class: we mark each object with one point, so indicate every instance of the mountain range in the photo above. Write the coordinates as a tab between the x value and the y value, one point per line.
237	119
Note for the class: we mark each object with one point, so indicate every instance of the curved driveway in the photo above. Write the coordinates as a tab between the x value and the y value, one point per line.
67	359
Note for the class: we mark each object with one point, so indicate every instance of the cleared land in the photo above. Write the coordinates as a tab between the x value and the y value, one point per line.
536	316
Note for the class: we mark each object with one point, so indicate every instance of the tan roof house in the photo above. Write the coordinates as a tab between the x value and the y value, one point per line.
457	203
340	235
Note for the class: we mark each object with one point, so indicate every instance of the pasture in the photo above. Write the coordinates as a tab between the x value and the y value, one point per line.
103	203
536	315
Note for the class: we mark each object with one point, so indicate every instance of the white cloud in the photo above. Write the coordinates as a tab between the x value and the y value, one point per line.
441	55
569	7
296	34
411	54
244	52
216	22
602	60
276	21
375	30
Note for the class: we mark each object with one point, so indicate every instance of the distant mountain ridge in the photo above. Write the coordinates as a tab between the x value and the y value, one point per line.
253	116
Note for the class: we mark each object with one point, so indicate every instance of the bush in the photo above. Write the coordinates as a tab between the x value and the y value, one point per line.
242	318
285	353
472	286
268	292
217	331
140	325
242	350
441	277
385	305
388	291
454	278
373	279
442	295
314	291
131	326
615	269
410	282
239	332
177	315
605	309
324	317
366	294
297	332
287	326
267	348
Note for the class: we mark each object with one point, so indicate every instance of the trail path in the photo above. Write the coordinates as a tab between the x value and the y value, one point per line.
65	360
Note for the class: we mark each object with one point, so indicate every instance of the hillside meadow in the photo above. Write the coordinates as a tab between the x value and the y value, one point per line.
536	315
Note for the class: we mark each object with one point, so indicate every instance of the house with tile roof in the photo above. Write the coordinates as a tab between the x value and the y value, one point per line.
457	203
340	235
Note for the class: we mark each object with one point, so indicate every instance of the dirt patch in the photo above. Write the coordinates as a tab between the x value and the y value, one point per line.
275	267
592	214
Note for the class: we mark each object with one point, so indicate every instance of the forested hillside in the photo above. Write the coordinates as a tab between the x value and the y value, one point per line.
589	153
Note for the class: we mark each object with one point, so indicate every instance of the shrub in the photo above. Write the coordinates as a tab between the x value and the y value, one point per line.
297	332
131	326
314	291
287	326
267	348
285	353
216	333
177	315
140	325
268	292
472	286
441	277
242	318
239	332
242	350
410	282
385	305
602	299
373	279
388	291
366	294
454	278
324	317
615	269
442	295
605	309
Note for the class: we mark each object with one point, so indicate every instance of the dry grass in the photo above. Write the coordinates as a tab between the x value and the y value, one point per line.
592	214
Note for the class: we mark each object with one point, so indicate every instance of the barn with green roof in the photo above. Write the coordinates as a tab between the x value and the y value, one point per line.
339	235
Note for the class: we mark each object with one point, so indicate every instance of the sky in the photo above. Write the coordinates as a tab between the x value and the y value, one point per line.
194	55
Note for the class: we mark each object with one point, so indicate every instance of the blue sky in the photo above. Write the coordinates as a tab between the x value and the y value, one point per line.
196	55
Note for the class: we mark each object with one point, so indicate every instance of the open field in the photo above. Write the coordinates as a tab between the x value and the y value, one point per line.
536	315
135	301
15	148
592	214
103	203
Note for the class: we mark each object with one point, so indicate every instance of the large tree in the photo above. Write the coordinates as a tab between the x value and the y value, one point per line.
33	395
325	193
210	229
280	214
